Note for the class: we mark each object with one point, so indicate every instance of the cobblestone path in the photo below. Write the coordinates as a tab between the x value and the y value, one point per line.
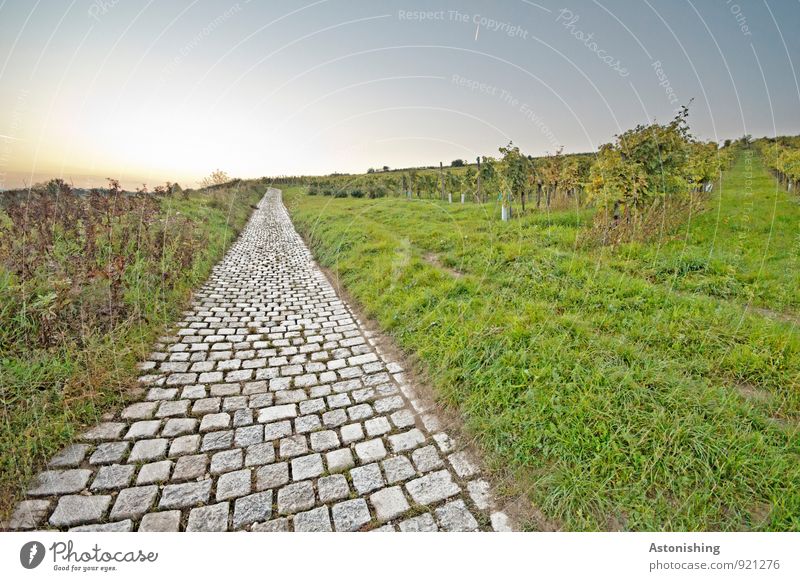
270	409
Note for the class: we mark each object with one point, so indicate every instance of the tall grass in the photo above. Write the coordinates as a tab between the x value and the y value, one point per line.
87	284
616	401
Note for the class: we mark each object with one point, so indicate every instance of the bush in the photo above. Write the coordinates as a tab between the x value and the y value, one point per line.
357	193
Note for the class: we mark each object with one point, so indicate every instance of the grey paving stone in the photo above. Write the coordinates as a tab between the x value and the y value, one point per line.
52	482
293	446
226	461
360	412
306	424
161	522
105	431
397	469
312	406
427	459
160	393
76	510
278	412
463	464
110	453
500	522
29	514
334	418
317	520
184	445
272	476
179	427
248	436
352	433
444	442
406	440
332	488
324	440
278	525
206	405
113	476
351	515
154	472
184	495
143	429
217	441
479	492
124	526
456	517
70	457
259	454
190	467
419	524
134	502
169	409
367	478
371	450
389	503
277	430
213	518
253	508
140	411
307	467
296	497
214	422
377	426
146	450
234	484
339	460
432	487
403	418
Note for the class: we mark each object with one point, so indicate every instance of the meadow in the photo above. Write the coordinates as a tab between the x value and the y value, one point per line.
650	385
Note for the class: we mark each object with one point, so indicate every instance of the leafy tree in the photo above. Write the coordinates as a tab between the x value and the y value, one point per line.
488	174
515	173
646	164
468	183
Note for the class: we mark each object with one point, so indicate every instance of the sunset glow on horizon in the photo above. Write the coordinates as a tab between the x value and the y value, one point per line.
151	92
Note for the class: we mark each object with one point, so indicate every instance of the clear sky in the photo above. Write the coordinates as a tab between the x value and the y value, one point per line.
151	91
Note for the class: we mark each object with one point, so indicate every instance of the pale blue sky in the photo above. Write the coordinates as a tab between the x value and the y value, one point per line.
151	91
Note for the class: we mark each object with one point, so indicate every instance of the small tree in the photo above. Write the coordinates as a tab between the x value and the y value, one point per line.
217	178
515	172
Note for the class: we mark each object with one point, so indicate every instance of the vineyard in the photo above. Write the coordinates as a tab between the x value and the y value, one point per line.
646	173
623	348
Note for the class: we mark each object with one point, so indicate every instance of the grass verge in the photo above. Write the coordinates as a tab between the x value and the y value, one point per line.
617	401
50	393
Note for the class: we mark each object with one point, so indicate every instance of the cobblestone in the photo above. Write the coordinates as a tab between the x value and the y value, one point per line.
268	376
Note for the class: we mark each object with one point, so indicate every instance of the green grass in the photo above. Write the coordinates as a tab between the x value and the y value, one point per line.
613	399
49	395
746	247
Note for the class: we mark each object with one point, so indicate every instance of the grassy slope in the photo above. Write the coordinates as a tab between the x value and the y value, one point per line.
617	401
49	395
746	247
